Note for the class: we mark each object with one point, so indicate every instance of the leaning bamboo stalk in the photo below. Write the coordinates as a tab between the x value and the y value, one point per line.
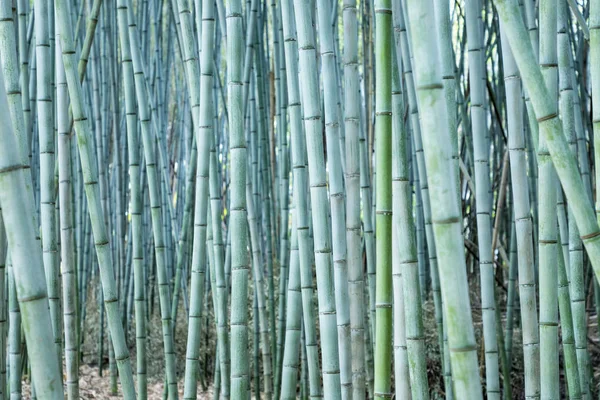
16	200
550	127
90	175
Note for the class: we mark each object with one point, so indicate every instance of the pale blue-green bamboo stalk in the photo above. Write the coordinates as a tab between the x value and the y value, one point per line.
405	253
477	81
402	387
260	315
204	132
523	222
90	174
10	69
547	240
16	200
511	292
155	199
300	183
568	340
67	246
14	335
551	129
336	193
313	125
356	283
3	310
423	192
293	323
135	205
238	222
446	213
574	257
446	52
221	287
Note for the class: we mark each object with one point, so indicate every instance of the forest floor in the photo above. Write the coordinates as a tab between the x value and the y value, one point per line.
94	386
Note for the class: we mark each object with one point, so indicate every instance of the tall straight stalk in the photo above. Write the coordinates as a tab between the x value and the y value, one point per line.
313	126
67	238
421	183
336	193
446	214
548	276
383	219
574	257
523	221
155	201
89	168
356	278
293	324
238	222
300	183
135	201
477	81
407	264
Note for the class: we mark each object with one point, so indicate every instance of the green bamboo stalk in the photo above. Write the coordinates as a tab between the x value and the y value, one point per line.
383	153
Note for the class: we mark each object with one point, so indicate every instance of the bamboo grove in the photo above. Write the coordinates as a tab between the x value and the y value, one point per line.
322	199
